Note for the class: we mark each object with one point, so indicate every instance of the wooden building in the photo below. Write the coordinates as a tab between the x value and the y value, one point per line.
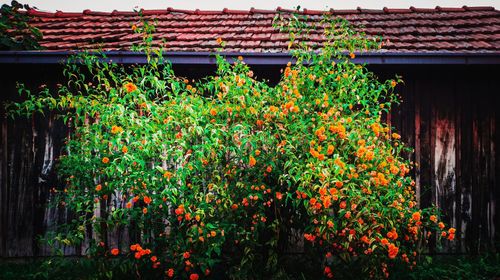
449	59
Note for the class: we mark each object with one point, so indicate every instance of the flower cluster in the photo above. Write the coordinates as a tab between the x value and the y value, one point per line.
228	168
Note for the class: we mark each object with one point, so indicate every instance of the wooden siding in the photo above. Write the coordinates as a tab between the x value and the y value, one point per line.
449	114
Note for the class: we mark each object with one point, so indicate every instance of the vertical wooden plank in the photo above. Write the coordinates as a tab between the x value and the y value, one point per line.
459	123
4	91
425	117
418	152
408	118
475	238
496	97
443	150
490	161
492	184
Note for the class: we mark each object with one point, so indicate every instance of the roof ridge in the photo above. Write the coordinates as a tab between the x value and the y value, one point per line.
358	10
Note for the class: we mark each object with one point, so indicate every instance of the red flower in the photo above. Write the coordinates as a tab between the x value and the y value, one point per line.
279	195
186	255
115	251
194	276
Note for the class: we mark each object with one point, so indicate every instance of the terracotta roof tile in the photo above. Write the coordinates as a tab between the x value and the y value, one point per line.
462	29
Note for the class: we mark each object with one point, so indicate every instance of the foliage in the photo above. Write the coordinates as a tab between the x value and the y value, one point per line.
454	267
226	171
15	31
435	267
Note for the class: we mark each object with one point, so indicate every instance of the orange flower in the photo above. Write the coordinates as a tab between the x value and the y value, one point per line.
433	218
147	199
252	161
352	55
322	191
115	251
116	129
279	195
186	255
145	210
309	237
393	83
343	204
452	231
451	236
330	224
179	210
167	175
441	225
365	239
333	191
384	241
105	160
257	152
213	112
416	216
312	201
98	187
194	276
129	205
154	258
393	251
170	272
269	169
213	233
327	202
392	234
347	215
134	27
130	87
219	40
330	149
124	149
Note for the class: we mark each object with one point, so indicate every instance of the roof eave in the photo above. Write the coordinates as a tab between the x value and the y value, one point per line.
255	58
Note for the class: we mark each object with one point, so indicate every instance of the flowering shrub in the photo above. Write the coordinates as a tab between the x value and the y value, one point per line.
225	171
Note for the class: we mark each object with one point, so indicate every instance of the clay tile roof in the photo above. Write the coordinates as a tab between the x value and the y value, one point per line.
441	29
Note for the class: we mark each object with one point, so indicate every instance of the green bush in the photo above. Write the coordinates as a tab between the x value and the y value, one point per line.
222	173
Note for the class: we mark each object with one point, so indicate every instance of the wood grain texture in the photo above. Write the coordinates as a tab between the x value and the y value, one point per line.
448	114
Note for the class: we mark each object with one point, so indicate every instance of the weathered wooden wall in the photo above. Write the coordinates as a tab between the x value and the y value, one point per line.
449	114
